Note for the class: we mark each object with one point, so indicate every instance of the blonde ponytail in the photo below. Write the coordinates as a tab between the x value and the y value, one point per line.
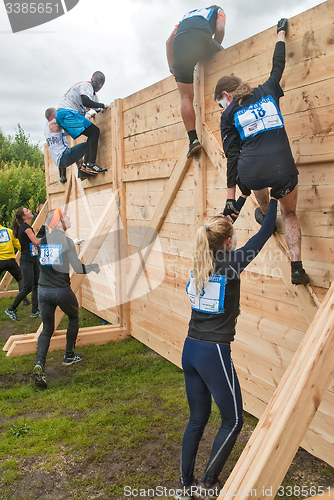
208	239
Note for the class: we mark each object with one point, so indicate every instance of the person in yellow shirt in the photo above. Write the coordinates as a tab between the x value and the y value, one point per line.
8	244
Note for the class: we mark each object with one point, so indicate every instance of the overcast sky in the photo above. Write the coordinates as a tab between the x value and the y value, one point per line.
124	39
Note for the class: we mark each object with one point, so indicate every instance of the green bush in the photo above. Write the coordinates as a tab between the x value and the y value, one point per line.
22	176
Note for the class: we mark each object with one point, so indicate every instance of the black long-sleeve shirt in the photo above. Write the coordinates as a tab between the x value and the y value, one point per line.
220	328
57	275
258	150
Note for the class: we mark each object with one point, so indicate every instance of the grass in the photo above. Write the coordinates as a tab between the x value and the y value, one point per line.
116	419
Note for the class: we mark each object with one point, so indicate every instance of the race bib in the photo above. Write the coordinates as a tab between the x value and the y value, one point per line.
50	255
205	12
4	236
258	117
212	299
33	250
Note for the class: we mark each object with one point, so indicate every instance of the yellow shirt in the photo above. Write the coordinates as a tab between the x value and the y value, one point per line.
7	243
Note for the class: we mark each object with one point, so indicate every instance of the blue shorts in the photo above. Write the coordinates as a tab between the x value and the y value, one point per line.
72	122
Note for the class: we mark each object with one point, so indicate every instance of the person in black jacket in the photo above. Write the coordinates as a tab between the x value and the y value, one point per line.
258	150
214	292
57	253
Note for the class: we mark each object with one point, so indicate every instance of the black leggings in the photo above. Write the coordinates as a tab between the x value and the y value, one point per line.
49	299
92	133
30	271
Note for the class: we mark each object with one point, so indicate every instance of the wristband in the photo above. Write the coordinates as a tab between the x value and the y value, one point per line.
171	69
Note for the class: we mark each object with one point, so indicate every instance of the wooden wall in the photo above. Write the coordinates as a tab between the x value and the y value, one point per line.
143	143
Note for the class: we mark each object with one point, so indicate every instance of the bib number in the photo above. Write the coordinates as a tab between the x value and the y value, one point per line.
33	250
212	299
4	236
258	117
51	255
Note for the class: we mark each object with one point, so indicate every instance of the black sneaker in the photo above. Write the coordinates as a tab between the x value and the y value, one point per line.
299	277
193	148
26	302
184	492
93	168
39	376
12	315
82	175
69	360
259	217
62	174
87	169
37	314
205	492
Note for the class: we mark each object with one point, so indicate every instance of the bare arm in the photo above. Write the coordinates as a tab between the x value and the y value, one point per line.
32	237
220	26
53	126
169	49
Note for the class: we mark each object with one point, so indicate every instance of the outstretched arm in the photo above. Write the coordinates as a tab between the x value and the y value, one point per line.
279	52
220	26
169	50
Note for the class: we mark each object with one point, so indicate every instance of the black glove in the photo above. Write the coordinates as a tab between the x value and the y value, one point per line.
230	209
282	25
93	267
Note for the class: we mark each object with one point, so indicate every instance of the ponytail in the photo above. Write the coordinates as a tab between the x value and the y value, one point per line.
208	239
233	85
17	221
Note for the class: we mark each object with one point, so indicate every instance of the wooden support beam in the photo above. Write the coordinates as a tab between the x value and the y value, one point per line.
200	193
27	344
121	250
275	440
7	278
88	254
158	218
8	293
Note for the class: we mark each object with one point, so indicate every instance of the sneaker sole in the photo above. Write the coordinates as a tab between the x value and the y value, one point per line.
72	362
194	151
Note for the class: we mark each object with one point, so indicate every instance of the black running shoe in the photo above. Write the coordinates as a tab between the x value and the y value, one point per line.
299	277
193	148
39	376
259	217
69	360
12	315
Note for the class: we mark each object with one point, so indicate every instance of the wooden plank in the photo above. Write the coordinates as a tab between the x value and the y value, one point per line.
158	218
280	430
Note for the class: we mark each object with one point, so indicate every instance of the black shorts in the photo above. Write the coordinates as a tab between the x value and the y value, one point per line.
279	187
189	48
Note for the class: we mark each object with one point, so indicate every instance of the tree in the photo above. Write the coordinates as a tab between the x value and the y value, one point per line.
22	176
18	149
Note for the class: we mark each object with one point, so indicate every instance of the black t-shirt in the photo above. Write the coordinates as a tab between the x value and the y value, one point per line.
29	251
204	19
257	126
57	252
220	328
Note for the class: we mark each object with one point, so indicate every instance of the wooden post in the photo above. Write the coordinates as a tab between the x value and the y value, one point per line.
121	250
200	160
275	440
